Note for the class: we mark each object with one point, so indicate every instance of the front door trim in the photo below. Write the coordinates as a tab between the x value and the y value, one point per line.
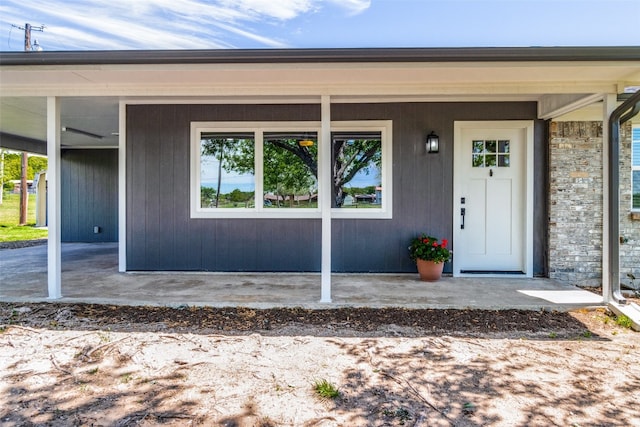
527	126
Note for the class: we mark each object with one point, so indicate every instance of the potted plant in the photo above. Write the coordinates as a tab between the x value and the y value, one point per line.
430	254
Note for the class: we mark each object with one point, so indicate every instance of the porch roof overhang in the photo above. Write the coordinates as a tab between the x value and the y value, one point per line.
527	73
92	83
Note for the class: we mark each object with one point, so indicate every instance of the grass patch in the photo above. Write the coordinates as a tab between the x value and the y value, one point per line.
10	231
624	321
326	390
401	414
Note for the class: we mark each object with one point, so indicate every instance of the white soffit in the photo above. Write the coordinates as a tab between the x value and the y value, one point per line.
357	79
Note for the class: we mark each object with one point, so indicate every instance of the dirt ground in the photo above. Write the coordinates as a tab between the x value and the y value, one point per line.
98	365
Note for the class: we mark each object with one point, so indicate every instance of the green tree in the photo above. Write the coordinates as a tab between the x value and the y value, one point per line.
238	196
288	169
350	156
13	166
207	197
36	164
228	150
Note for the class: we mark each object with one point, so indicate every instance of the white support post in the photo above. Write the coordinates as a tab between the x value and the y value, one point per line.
608	106
122	188
54	263
325	197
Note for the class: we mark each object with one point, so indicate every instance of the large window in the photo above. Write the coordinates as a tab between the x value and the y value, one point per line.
635	167
251	169
227	170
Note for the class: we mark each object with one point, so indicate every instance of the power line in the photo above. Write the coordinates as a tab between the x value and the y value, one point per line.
28	28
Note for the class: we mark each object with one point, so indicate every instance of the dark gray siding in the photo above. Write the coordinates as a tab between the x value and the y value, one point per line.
161	236
423	183
89	195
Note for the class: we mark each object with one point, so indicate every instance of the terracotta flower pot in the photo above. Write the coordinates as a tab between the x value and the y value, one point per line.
429	271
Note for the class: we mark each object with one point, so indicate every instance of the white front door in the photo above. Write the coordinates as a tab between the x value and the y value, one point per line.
493	198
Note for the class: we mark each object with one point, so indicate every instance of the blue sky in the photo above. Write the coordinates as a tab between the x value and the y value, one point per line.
199	24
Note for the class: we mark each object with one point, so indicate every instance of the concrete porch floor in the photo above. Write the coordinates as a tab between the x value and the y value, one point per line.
90	274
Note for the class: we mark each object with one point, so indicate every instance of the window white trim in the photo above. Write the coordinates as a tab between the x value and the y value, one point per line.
259	128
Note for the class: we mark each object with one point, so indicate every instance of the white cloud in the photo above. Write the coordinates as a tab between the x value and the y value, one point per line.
354	7
163	24
280	9
154	24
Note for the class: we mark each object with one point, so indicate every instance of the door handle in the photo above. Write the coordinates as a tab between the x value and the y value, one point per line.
463	212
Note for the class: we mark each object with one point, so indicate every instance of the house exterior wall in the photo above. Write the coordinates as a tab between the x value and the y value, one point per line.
629	225
162	236
576	204
89	195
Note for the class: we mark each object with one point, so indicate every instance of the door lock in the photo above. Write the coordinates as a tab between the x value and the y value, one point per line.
463	212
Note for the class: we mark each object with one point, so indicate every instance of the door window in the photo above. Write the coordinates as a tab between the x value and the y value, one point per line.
490	153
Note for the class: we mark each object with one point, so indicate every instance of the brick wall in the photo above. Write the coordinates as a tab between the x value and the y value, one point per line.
575	204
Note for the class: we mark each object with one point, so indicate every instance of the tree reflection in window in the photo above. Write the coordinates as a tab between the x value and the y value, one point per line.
490	153
357	163
290	169
227	170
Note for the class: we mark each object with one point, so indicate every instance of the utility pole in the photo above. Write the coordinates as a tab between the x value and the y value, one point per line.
24	194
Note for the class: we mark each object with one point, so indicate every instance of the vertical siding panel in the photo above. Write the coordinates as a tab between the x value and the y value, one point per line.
161	233
65	234
153	192
137	128
89	195
183	256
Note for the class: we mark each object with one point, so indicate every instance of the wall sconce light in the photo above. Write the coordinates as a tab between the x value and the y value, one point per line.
433	143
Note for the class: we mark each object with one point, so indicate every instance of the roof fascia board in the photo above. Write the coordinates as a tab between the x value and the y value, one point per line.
353	55
310	90
22	143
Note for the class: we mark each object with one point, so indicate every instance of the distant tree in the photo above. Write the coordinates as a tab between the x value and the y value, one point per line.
227	151
13	166
207	197
238	196
36	164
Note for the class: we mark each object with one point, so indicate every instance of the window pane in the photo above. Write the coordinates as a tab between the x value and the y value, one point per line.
290	170
357	169
478	147
491	146
490	160
636	189
503	160
635	146
477	160
227	170
503	146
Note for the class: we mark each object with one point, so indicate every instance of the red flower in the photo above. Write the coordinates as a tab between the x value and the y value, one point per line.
444	243
435	244
425	240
